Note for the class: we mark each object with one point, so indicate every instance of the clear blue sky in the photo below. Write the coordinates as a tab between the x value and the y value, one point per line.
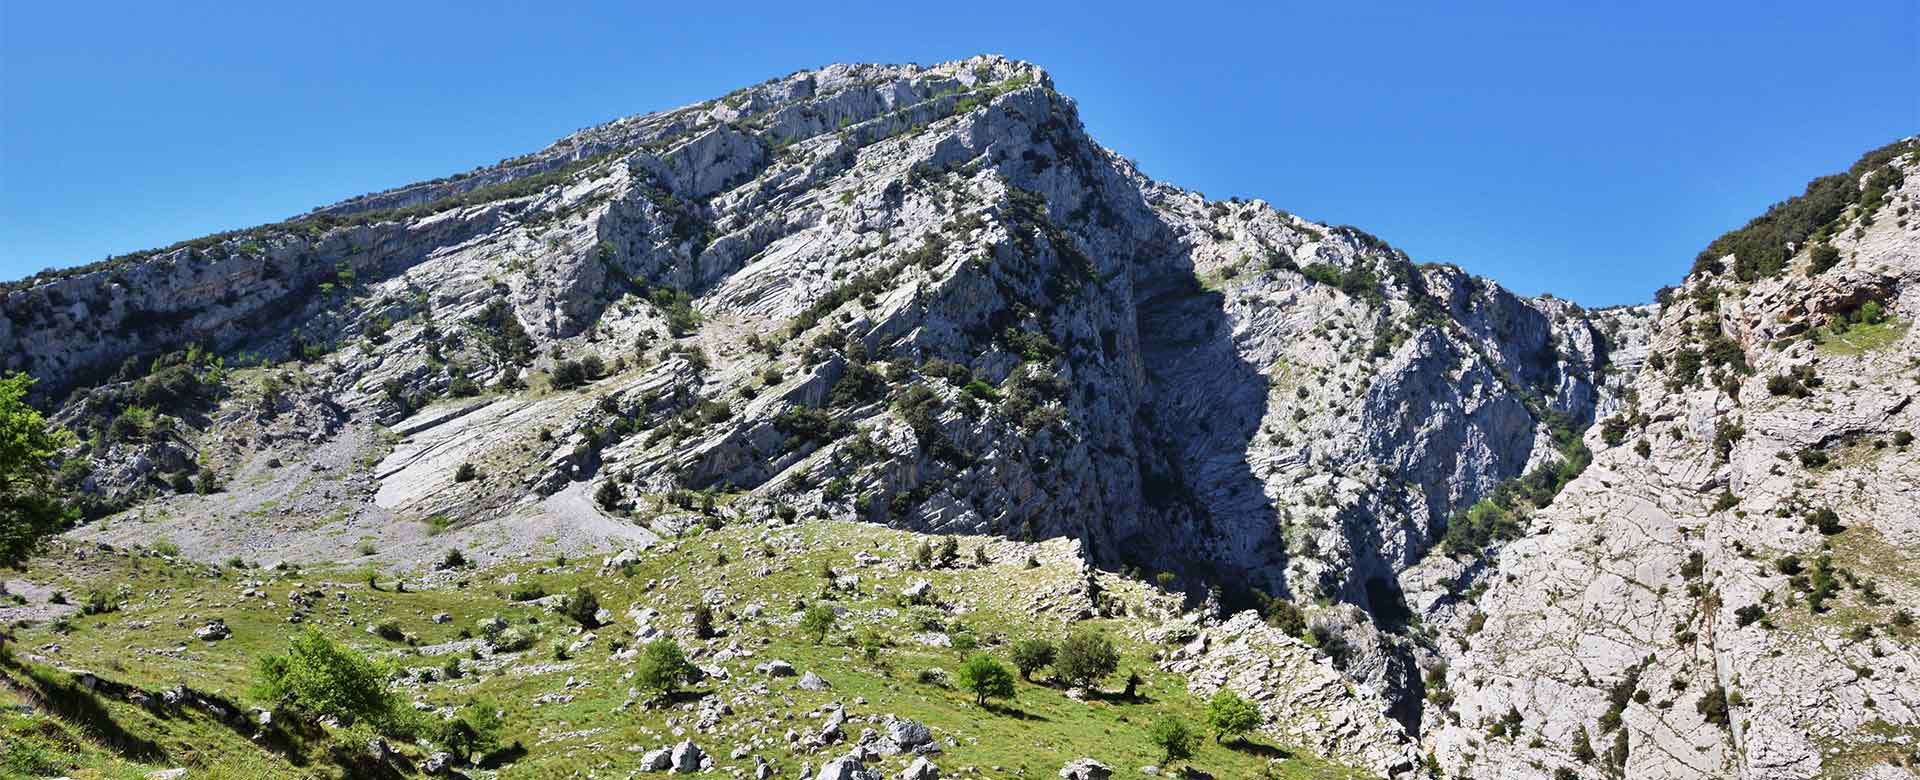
1588	153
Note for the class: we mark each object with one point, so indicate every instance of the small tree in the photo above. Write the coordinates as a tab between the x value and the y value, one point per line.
32	500
816	622
1231	716
1174	737
608	495
583	607
986	678
1084	658
702	621
661	668
323	678
1029	655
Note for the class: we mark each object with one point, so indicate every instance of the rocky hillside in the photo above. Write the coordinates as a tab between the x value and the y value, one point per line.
923	297
1728	590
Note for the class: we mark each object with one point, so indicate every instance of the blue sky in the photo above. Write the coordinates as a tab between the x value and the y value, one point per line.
1584	152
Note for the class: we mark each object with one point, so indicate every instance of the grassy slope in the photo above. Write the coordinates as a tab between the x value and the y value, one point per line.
1032	736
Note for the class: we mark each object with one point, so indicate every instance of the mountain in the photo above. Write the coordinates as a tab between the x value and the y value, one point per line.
1418	519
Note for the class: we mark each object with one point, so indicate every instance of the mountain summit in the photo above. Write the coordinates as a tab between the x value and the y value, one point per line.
1417	519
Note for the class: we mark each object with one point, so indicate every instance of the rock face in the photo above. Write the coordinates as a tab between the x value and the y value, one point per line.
1666	617
923	296
1304	699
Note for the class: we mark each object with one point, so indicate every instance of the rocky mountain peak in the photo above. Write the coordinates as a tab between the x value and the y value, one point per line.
925	298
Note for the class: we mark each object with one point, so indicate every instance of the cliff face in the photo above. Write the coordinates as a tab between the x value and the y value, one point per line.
923	296
1721	594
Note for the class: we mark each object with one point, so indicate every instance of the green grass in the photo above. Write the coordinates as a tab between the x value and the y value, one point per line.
1861	339
1036	732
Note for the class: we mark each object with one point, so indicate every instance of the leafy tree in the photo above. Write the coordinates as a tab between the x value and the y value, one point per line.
661	668
986	678
1231	716
816	622
320	677
582	606
31	505
1084	658
1029	655
1174	737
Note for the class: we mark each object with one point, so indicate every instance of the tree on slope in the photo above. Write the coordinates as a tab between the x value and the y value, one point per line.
32	502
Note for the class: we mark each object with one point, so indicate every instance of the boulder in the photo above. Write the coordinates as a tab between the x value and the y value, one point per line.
687	758
656	760
1085	769
920	769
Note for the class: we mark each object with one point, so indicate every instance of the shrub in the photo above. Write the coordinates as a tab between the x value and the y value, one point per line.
608	495
1174	737
569	374
1084	658
1286	616
661	668
816	622
437	524
1826	521
1231	716
582	606
1822	257
986	678
476	730
702	621
1030	655
1713	706
323	678
390	631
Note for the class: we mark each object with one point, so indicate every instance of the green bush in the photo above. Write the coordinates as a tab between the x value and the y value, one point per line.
1823	257
1231	716
661	668
322	678
582	606
475	730
1174	737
